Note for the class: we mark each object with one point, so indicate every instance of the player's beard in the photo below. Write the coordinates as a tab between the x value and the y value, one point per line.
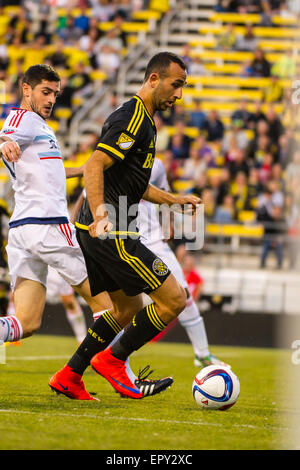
36	110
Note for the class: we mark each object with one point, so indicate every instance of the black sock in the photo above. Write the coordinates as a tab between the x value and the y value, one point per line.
144	327
98	338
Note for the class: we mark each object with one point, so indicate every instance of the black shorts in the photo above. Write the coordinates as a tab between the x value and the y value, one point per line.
121	263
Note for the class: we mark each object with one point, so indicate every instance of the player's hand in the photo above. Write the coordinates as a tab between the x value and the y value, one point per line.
10	151
100	227
188	202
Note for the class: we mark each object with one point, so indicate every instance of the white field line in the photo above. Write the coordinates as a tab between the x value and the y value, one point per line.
146	420
36	358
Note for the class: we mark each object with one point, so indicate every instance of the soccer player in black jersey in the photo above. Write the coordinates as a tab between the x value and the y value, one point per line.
116	179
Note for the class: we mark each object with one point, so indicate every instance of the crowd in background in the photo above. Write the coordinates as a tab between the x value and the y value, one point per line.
250	163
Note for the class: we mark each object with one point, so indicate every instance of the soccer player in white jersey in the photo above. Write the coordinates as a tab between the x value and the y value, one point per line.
40	234
153	237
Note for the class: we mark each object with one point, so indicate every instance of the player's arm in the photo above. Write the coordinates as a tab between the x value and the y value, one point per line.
94	186
76	208
159	196
74	172
9	149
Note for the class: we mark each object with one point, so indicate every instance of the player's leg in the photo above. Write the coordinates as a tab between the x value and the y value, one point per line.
75	316
29	302
168	300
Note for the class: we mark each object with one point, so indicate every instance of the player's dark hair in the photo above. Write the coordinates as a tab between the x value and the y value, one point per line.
36	73
161	62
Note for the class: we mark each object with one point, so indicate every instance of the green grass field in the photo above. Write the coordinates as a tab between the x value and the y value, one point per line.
33	417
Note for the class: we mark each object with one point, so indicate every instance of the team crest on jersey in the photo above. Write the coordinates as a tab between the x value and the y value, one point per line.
159	267
125	142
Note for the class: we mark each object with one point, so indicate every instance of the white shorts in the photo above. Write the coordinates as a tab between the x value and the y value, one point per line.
32	248
56	285
163	251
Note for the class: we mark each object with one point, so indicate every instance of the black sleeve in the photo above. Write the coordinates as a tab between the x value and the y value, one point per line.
120	133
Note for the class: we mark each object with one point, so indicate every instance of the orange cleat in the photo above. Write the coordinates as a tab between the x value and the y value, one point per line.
70	384
114	371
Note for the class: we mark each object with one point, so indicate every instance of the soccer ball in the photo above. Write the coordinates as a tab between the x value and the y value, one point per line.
216	388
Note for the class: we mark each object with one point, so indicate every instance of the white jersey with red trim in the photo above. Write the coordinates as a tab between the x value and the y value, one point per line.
38	178
148	222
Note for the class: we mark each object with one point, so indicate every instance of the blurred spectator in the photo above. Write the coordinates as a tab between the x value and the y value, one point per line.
228	38
58	59
196	67
186	56
242	114
254	189
265	168
274	91
274	231
239	191
239	164
197	115
245	6
209	202
194	166
163	137
179	143
103	10
225	213
276	128
285	67
260	65
192	276
107	52
247	41
82	22
238	134
69	33
213	127
257	115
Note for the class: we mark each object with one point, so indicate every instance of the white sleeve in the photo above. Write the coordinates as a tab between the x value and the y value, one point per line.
158	175
24	134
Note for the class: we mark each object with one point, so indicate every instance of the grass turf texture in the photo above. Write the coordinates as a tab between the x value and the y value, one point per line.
33	417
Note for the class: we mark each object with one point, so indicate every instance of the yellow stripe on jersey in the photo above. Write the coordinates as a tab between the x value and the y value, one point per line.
112	322
134	117
141	265
111	149
144	107
139	123
112	232
154	318
137	265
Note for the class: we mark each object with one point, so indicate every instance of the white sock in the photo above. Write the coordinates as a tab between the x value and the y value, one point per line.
10	329
11	308
77	322
193	323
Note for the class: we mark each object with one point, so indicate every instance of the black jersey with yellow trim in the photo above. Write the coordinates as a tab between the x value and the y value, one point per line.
128	136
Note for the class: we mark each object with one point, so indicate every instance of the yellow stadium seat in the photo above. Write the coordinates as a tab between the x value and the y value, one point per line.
219	81
98	75
249	231
224	94
159	5
146	15
191	132
63	113
247	216
252	18
181	186
214	172
127	27
258	31
53	124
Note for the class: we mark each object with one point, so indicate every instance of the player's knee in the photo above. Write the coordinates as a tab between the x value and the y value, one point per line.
175	304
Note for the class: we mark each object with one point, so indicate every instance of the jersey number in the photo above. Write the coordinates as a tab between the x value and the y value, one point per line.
149	161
